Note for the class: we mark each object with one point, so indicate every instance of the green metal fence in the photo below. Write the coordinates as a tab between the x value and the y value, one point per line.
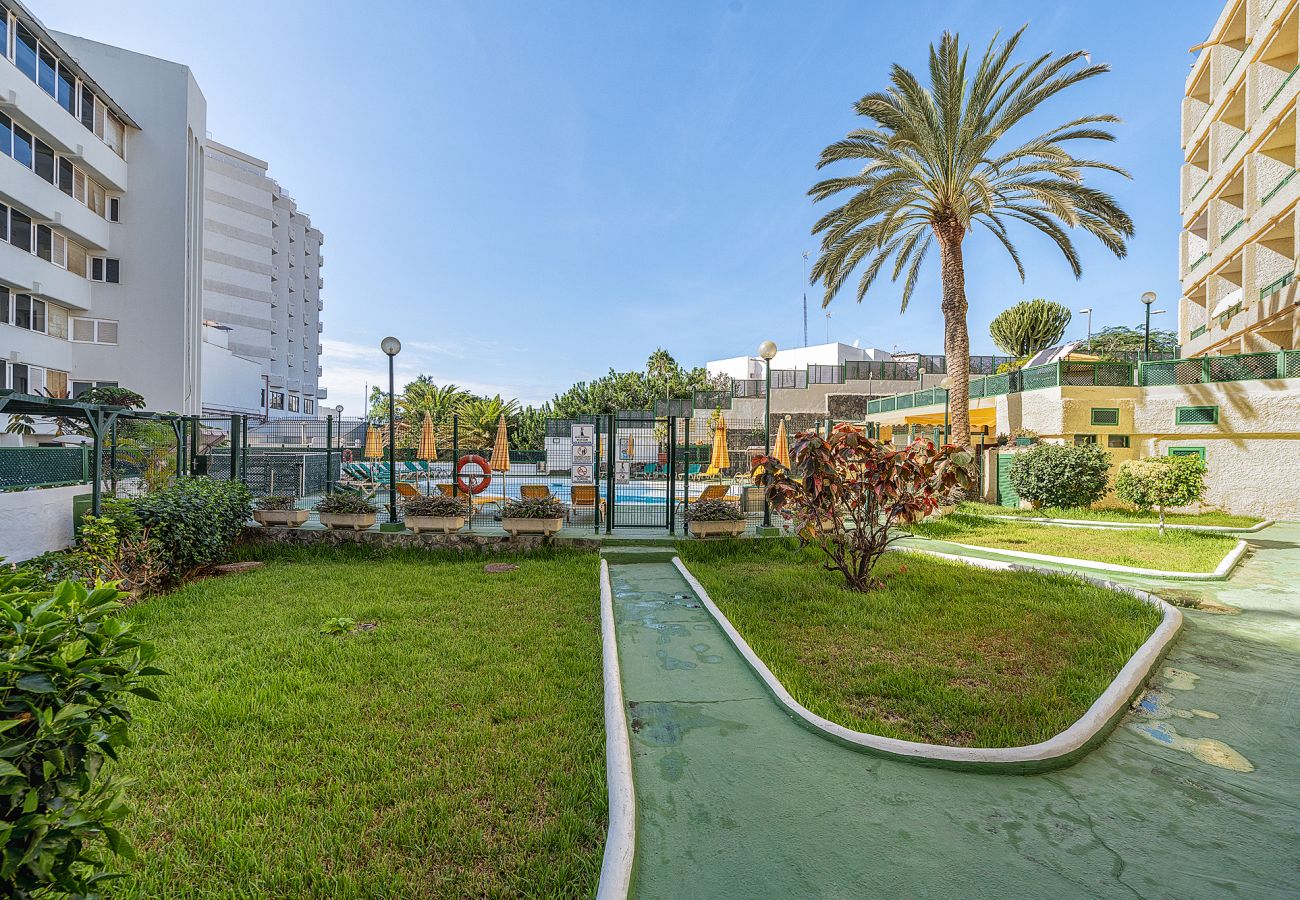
24	467
1073	374
1211	369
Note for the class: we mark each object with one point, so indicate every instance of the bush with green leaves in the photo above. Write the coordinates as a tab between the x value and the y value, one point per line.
714	511
1029	326
1061	475
533	508
277	502
344	504
1161	482
437	506
70	666
193	522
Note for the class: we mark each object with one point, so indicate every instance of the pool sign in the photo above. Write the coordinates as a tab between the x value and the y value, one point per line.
583	474
622	472
583	434
583	453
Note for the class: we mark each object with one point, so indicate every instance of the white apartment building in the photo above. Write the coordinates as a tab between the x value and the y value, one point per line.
1240	194
104	216
261	292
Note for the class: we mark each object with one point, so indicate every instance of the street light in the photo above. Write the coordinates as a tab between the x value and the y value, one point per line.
1147	299
767	350
1088	310
391	346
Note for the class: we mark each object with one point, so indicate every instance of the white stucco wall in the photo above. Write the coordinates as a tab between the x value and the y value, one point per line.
37	521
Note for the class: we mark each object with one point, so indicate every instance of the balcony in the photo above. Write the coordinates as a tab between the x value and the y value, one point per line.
21	187
31	274
19	96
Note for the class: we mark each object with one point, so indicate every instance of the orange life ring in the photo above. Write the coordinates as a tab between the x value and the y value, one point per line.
479	483
347	455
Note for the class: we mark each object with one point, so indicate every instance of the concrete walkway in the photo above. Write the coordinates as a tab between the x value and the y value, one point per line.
1197	795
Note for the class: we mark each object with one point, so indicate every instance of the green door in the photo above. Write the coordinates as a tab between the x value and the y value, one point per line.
1006	493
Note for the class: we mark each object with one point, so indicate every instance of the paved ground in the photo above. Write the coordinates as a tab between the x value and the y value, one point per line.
1195	796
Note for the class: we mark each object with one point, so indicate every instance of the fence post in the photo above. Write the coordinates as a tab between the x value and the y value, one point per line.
671	472
234	448
595	470
1281	364
329	454
85	464
609	476
455	460
1205	370
686	476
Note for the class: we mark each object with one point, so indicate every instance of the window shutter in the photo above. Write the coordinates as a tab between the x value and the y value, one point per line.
83	330
107	332
1196	415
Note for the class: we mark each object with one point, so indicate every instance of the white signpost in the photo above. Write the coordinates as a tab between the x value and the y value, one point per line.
622	472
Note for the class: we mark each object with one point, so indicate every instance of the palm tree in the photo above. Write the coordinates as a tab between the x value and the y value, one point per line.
479	417
932	168
423	396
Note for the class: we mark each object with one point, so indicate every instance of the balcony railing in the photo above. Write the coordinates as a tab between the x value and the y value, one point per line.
1280	88
1197	332
1232	230
1067	374
1235	144
1200	259
1197	192
1286	179
1274	286
1212	369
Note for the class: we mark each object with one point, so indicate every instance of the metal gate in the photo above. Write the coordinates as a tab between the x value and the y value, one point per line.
1007	495
633	469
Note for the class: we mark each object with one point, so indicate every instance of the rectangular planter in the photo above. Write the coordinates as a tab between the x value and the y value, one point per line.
545	527
444	524
290	518
353	521
724	528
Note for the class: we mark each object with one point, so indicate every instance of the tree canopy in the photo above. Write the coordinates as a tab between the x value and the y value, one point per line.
1029	326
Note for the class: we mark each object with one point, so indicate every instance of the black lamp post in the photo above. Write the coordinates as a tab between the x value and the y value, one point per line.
391	346
767	350
1147	299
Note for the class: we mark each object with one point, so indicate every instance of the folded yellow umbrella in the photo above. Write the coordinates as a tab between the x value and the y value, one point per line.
781	450
428	446
501	449
719	459
374	449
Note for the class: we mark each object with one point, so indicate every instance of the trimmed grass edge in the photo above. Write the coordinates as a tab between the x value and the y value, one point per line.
1101	523
617	866
1059	751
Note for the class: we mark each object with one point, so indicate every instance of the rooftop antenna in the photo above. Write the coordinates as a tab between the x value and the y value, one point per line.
805	298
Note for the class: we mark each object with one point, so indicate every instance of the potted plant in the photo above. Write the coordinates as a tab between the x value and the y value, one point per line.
345	510
534	515
279	509
715	517
436	513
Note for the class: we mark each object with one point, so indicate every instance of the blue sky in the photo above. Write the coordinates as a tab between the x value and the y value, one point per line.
528	194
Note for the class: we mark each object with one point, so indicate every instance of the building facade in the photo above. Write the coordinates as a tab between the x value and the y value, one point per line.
120	264
261	292
1240	194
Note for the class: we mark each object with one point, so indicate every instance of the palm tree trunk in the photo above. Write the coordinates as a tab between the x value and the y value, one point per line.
956	338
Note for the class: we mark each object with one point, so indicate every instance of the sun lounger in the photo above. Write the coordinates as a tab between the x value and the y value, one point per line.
584	496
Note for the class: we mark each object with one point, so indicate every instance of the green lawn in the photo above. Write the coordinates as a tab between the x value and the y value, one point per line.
1175	551
946	653
1220	519
456	750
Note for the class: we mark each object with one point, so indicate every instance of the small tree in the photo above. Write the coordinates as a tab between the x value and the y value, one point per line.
1061	475
1159	482
848	493
1029	326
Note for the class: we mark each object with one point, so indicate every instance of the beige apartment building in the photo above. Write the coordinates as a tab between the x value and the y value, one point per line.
1239	185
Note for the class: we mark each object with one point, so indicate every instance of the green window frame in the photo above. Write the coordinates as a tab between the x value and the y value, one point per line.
1188	451
1196	415
1081	439
1117	441
1105	415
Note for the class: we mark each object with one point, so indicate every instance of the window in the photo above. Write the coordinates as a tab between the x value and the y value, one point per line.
47	68
308	406
293	403
67	89
44	160
80	387
1188	451
88	108
1117	441
4	306
21	380
29	313
1105	416
76	261
6	135
67	176
94	331
1196	415
277	399
22	146
103	268
45	243
25	51
4	51
1080	439
20	230
113	209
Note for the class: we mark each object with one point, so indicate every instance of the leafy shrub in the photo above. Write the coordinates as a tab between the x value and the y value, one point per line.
193	522
533	508
346	504
60	565
437	506
70	666
338	625
1061	475
1159	482
714	511
277	502
851	493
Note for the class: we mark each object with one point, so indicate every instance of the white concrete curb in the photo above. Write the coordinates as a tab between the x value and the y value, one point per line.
1090	523
1059	750
620	839
1221	571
